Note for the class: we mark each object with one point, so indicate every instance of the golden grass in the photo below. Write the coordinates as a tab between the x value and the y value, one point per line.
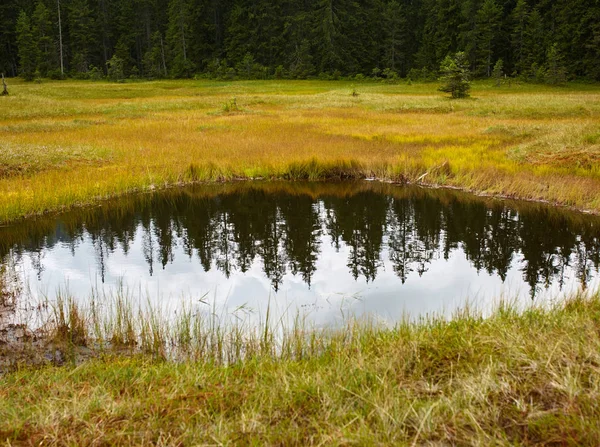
69	143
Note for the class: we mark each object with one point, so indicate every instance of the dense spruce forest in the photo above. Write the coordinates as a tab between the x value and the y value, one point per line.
296	38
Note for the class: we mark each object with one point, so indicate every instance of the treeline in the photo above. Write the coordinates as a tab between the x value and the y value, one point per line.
296	38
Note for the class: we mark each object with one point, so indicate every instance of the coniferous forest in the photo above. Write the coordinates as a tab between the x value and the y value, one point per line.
260	39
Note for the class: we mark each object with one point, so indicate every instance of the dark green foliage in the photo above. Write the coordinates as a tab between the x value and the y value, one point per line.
456	76
520	20
116	71
154	61
95	73
498	72
487	24
42	30
301	65
556	73
27	47
258	39
81	33
534	48
396	29
179	34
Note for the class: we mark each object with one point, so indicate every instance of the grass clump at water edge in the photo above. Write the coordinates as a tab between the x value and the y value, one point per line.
524	378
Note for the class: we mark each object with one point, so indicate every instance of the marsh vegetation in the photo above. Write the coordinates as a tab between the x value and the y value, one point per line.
73	143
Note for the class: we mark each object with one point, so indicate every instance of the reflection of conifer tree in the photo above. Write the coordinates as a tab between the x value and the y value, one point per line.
245	214
340	224
455	220
271	235
244	217
148	246
186	244
125	238
99	247
303	232
400	239
164	232
200	222
474	235
501	240
566	242
588	255
428	224
36	262
332	225
224	244
72	243
109	238
539	234
361	219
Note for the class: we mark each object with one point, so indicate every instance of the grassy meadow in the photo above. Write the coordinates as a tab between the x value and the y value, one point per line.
516	378
70	143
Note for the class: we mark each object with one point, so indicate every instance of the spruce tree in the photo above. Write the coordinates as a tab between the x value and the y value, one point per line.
487	25
498	72
8	46
533	50
301	65
42	33
456	77
81	33
329	36
115	69
592	60
154	62
556	74
395	27
27	47
179	33
520	19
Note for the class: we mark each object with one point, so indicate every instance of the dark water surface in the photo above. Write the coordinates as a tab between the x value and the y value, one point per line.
365	247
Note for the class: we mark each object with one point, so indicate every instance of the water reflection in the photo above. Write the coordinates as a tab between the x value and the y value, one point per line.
286	232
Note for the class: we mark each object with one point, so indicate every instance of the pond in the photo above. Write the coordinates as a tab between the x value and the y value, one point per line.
325	249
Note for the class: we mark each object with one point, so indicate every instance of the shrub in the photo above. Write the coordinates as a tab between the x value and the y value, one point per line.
56	75
115	69
95	73
555	74
390	75
498	72
279	72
